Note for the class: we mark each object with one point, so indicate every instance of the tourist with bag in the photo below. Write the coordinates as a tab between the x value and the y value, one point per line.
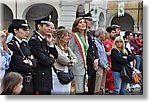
61	73
119	58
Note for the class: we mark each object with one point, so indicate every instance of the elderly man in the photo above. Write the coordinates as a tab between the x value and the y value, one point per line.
103	66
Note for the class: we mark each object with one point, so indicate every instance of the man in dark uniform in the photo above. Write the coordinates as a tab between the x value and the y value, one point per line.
22	60
46	53
92	56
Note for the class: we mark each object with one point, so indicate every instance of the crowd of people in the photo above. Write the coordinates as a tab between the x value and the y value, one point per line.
95	57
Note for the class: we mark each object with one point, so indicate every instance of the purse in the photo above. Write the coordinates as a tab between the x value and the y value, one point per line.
63	77
127	74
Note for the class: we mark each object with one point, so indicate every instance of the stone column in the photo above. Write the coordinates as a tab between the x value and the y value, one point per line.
67	14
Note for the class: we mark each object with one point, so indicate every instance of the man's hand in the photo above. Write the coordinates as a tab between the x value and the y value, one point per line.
108	68
95	64
49	38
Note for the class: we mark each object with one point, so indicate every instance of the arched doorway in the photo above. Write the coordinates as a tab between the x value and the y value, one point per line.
126	22
101	20
6	16
37	10
80	11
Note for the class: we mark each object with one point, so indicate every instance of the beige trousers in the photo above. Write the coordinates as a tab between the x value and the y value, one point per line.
100	79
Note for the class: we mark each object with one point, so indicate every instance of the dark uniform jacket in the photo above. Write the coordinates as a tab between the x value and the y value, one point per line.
42	80
92	52
20	63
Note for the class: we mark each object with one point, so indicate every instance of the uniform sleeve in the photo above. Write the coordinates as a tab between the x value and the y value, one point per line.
53	51
17	60
39	53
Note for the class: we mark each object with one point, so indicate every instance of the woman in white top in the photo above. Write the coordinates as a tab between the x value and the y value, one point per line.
66	59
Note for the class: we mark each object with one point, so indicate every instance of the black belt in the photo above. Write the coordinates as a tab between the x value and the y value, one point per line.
27	79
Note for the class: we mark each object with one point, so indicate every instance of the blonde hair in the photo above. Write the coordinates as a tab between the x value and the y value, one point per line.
60	35
119	38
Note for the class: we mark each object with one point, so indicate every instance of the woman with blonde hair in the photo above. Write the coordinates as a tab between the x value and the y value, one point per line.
119	57
122	48
65	61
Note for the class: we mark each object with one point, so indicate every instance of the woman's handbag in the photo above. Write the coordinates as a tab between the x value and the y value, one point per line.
127	73
63	77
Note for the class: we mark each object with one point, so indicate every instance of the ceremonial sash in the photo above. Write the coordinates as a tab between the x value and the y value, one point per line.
83	51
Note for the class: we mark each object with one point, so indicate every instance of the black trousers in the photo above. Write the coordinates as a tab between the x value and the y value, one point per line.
91	83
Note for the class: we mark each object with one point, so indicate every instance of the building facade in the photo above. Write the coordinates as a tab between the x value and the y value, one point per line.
64	12
133	15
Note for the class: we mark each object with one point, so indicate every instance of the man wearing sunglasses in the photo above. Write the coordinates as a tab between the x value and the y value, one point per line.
22	61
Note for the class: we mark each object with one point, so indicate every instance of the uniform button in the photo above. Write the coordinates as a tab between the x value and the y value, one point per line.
92	46
93	51
43	73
